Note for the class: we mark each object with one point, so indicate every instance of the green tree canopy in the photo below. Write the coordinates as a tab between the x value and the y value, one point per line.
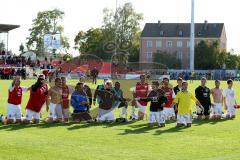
47	22
209	55
168	59
120	27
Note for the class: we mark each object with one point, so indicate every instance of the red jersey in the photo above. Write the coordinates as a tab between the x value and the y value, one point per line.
141	91
65	97
169	94
15	95
37	98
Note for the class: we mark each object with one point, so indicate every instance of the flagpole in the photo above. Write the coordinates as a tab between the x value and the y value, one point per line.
192	38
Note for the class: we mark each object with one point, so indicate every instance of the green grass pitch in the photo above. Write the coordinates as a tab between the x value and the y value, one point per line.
205	140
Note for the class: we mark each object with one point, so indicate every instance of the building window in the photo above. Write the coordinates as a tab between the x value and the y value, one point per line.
179	44
149	56
187	56
188	43
180	33
149	44
158	44
179	55
169	44
161	33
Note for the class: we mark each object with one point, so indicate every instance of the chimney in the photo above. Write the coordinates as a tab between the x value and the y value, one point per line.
159	23
205	24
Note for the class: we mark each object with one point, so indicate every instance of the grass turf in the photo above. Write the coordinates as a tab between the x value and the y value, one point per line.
211	140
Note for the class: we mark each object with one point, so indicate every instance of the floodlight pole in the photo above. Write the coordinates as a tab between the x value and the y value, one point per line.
116	27
192	36
7	41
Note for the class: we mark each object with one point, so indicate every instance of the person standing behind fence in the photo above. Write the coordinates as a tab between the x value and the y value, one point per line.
94	74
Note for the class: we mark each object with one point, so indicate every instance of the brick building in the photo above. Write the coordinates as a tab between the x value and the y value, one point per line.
175	38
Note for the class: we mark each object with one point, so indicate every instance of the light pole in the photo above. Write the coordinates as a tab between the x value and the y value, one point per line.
192	36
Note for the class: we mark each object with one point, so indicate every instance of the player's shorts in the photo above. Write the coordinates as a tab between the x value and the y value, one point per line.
14	111
32	115
156	117
105	115
231	110
66	113
141	108
168	112
184	119
55	111
217	109
206	111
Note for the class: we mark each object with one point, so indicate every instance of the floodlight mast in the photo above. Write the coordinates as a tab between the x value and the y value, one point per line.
192	36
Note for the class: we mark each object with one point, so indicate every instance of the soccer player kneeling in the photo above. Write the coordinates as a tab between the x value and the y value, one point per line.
66	90
158	100
79	101
38	94
230	100
54	102
217	95
121	102
184	100
14	101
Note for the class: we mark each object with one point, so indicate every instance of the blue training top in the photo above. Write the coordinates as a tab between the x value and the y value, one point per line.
76	100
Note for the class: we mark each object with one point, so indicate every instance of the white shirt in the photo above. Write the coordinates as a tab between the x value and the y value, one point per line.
229	95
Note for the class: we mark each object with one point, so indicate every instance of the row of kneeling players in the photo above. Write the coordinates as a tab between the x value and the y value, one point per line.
166	102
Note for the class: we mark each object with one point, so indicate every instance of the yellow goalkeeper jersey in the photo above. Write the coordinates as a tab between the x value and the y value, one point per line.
185	102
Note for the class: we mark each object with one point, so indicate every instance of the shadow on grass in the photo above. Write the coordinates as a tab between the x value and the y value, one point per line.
170	130
138	129
12	127
197	122
105	125
134	129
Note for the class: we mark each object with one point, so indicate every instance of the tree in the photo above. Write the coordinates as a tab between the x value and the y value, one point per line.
92	42
123	25
123	28
168	59
209	55
21	48
120	33
232	61
2	46
47	22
